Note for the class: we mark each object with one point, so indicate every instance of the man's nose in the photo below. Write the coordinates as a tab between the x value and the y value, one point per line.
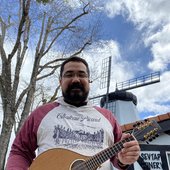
75	78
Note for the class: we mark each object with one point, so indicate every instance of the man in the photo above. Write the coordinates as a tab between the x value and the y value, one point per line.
71	123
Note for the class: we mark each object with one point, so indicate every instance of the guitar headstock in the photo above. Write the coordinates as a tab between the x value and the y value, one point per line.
146	130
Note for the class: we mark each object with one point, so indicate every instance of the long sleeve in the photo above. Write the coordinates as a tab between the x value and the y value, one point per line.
23	148
25	144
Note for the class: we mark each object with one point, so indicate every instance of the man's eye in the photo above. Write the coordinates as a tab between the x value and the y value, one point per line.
79	75
68	75
82	75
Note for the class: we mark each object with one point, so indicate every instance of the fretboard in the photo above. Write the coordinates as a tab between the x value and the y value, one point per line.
96	160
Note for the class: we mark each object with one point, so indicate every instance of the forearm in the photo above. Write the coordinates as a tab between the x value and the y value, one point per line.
17	162
23	149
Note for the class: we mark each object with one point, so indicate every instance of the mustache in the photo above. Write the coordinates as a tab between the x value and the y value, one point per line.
76	86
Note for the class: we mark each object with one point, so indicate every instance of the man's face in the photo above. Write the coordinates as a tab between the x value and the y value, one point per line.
75	83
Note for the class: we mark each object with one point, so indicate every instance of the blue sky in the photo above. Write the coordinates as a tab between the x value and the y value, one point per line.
129	38
136	33
137	36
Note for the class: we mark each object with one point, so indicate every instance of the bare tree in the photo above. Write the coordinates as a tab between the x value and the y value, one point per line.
56	28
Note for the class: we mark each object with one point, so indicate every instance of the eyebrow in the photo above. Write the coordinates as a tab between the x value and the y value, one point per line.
80	71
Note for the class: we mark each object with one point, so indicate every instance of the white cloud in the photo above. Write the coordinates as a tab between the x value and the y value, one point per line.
160	47
154	98
120	70
142	12
73	3
113	8
153	18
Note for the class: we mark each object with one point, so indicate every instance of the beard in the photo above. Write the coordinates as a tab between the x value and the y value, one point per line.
75	94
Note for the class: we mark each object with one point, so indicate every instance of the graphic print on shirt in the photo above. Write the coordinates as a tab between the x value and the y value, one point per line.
72	138
82	138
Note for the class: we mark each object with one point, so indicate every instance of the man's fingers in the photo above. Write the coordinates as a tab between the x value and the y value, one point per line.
130	144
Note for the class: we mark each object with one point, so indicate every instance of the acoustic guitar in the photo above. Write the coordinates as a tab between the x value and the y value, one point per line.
63	159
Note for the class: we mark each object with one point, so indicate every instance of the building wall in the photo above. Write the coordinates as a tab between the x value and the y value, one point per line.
124	111
155	155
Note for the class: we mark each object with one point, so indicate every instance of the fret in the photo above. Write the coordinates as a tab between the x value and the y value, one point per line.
90	164
144	131
101	157
98	159
109	153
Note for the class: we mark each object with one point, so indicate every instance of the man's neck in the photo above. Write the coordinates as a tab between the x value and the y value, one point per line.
77	104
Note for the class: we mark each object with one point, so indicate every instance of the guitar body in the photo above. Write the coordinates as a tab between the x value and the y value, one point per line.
62	159
59	159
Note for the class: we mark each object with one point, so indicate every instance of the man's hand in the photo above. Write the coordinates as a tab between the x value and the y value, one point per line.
130	153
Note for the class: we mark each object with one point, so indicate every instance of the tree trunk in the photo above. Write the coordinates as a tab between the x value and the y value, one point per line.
5	138
27	107
12	97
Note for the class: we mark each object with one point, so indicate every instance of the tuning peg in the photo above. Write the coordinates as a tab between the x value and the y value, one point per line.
157	135
153	137
138	123
150	140
134	125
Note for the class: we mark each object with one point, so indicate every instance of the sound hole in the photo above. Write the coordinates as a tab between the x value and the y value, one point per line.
79	165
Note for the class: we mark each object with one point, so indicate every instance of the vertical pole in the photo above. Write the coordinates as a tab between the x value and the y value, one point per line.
108	82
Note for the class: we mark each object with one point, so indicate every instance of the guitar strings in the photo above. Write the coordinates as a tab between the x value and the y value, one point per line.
90	163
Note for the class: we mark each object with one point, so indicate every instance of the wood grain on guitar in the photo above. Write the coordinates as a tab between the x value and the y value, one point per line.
63	159
59	159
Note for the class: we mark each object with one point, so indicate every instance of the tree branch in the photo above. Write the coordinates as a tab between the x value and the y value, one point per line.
21	96
65	27
47	65
41	34
59	28
20	28
54	97
49	23
49	74
2	51
82	48
20	56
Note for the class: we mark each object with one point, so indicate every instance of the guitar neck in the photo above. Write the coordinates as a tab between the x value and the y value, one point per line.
96	160
144	131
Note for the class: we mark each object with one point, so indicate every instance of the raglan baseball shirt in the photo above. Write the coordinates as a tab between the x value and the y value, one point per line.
85	130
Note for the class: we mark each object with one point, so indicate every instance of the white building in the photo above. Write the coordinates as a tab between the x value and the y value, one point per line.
156	154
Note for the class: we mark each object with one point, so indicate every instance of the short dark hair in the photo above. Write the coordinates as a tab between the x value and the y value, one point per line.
74	59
